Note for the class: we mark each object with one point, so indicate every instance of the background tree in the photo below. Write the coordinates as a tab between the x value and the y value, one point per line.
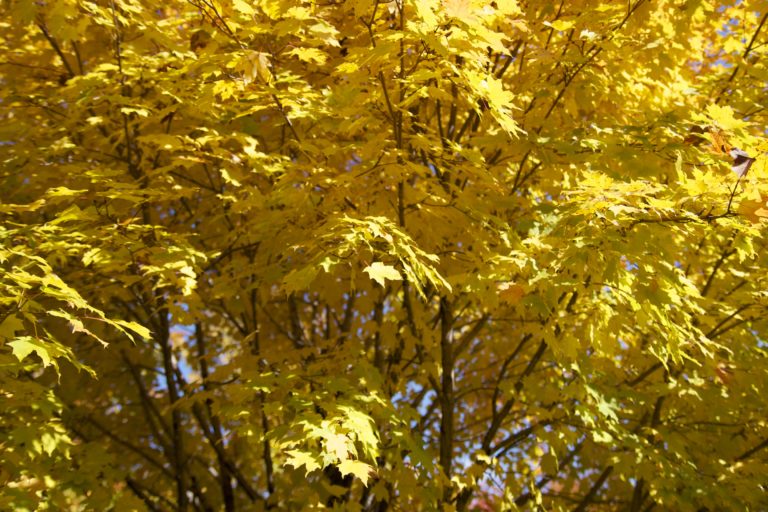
371	255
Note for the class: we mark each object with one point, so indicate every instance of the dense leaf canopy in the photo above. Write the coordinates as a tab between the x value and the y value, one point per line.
369	255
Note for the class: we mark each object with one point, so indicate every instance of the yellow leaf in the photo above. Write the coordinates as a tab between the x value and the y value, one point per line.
9	326
754	210
560	25
358	469
135	327
300	279
733	46
549	464
380	272
425	11
243	7
337	445
298	458
723	117
24	346
135	110
346	67
262	68
508	7
255	65
228	178
309	55
363	428
511	293
601	436
459	9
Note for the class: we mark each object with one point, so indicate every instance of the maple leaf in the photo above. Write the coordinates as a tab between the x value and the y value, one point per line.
459	9
754	210
560	25
26	345
9	326
358	469
380	272
337	446
299	458
511	293
255	66
724	118
207	179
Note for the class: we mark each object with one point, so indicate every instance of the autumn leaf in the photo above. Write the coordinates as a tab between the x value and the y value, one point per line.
9	326
380	272
511	293
358	469
560	25
754	210
459	9
298	458
337	446
24	346
205	207
255	67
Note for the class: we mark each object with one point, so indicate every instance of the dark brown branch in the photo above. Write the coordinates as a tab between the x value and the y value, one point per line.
152	414
747	454
711	334
138	490
582	506
225	478
297	330
524	498
710	279
447	392
177	428
514	439
640	378
638	496
747	51
503	371
56	48
470	335
127	444
729	327
197	412
499	418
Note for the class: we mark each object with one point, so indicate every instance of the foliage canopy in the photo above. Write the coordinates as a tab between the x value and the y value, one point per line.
368	255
